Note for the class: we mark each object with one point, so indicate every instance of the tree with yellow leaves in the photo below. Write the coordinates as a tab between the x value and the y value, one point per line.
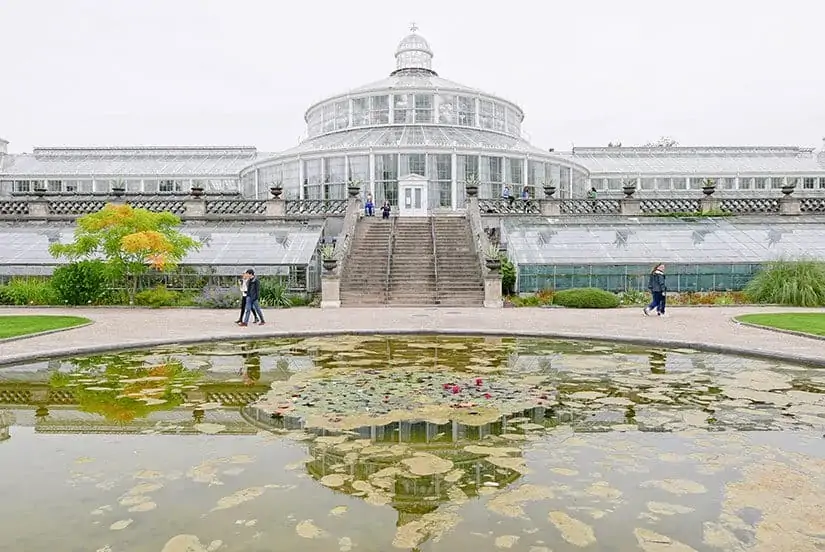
130	241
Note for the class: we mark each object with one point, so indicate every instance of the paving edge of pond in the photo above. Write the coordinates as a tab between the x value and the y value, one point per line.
647	342
778	330
46	332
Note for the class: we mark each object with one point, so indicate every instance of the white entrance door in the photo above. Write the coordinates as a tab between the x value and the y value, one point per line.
412	196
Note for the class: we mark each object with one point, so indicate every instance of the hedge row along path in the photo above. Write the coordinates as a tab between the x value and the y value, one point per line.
25	324
708	328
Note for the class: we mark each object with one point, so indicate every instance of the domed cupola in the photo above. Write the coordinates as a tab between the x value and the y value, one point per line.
413	56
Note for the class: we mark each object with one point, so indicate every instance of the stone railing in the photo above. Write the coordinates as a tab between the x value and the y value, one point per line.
316	206
786	204
344	240
492	279
68	207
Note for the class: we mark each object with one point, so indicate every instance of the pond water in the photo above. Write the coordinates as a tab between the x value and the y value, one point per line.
370	443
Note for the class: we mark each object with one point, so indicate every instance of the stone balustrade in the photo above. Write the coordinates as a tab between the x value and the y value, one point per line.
69	207
786	203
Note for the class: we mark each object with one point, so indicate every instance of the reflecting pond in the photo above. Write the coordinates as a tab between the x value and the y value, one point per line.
412	443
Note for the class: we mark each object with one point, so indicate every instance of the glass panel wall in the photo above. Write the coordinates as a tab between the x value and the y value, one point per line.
335	178
386	179
360	112
314	122
491	177
447	109
359	170
466	111
404	110
726	183
440	184
467	168
413	163
379	110
312	179
423	108
535	179
291	179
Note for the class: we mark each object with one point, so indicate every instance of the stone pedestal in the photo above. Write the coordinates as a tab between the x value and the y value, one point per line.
492	291
39	395
630	206
709	204
789	205
275	208
330	292
550	207
38	207
194	207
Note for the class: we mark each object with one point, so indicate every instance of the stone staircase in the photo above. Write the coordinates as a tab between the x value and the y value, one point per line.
412	270
408	246
460	280
364	280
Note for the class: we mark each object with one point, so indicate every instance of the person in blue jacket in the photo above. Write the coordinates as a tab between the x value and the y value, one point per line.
658	288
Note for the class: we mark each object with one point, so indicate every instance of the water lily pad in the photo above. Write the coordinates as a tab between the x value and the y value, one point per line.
308	530
572	530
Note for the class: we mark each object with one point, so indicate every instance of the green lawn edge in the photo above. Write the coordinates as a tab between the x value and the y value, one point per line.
14	325
811	323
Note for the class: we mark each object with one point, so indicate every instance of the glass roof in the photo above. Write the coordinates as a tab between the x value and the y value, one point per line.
646	241
130	162
225	244
415	136
704	161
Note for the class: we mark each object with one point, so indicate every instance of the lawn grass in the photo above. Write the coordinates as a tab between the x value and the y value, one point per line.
15	326
806	322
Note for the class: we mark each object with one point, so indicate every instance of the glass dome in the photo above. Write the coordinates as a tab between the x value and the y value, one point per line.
413	54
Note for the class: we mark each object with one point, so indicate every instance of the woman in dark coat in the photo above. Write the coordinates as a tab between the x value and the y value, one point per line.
658	287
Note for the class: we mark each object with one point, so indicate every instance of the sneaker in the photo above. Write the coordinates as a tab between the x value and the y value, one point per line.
242	324
261	323
647	312
661	314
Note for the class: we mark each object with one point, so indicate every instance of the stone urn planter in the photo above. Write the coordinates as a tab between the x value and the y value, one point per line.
788	189
629	190
549	190
118	191
492	258
40	192
471	189
328	259
196	191
276	190
353	189
709	189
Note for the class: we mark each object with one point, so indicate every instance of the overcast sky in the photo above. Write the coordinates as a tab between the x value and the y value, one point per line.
242	72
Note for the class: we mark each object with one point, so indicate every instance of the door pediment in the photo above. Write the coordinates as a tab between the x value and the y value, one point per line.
412	179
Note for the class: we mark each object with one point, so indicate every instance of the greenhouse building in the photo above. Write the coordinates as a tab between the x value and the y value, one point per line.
416	140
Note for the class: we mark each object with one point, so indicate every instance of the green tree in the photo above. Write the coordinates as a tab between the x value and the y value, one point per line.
130	241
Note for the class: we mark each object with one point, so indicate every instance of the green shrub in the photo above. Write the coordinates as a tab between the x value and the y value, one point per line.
586	298
30	291
798	283
508	277
633	297
157	297
5	296
80	283
214	297
274	293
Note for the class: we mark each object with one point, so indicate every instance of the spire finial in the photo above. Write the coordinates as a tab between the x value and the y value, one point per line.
413	27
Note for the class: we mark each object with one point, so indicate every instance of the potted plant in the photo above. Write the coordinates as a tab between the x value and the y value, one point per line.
789	187
39	189
276	189
492	257
549	189
629	188
196	190
471	186
708	186
328	258
353	187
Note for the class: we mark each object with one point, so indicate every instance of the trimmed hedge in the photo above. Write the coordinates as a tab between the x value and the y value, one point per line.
586	298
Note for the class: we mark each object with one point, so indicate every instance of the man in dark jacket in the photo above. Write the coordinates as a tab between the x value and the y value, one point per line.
658	287
253	296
